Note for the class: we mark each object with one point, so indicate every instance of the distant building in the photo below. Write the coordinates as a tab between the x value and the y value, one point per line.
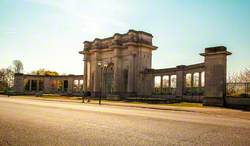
64	84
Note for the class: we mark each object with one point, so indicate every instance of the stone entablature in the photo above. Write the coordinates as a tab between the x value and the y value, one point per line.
66	84
120	40
186	68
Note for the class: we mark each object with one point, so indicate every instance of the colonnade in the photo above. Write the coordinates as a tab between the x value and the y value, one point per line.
182	82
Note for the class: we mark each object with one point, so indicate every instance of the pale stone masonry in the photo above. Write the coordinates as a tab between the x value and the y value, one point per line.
121	66
216	73
122	58
64	84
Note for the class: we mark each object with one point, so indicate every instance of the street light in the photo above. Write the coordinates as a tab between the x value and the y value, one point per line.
102	65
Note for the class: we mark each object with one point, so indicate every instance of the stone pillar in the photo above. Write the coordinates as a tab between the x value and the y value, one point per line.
180	80
85	77
161	83
117	71
30	85
169	81
131	75
199	79
97	74
192	80
37	85
19	83
215	75
47	85
62	85
70	85
78	86
148	85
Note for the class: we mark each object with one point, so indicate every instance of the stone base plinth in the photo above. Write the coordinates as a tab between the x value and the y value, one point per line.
213	101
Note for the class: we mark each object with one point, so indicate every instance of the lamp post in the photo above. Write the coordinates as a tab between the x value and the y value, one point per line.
102	66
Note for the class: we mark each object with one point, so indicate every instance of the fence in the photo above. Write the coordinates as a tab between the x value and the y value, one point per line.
238	89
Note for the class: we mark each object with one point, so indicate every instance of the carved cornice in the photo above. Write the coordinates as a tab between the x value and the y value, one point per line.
132	36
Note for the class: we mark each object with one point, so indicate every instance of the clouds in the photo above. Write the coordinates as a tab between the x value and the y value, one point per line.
92	16
8	31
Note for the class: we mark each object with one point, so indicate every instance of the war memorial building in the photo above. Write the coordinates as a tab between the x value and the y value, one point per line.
121	66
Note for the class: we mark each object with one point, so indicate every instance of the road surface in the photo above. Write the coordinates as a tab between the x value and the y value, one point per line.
26	122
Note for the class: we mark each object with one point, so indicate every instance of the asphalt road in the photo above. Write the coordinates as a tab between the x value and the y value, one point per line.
25	122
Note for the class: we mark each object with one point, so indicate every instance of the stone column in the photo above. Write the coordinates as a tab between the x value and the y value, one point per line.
97	74
117	71
62	85
215	75
85	75
70	85
19	83
78	86
131	75
161	83
47	85
199	79
30	85
192	80
169	81
179	80
148	85
37	85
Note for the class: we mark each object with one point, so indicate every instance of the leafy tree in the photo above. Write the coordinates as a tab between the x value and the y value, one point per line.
6	78
45	72
18	66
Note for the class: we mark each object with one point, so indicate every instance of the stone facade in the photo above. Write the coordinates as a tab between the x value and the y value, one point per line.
65	84
113	65
121	66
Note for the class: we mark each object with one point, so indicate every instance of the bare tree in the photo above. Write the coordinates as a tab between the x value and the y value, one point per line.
238	83
18	66
241	77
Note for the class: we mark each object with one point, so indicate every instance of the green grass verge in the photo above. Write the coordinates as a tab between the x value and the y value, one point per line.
180	104
186	104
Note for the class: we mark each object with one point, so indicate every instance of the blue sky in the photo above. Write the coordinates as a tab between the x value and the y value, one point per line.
49	33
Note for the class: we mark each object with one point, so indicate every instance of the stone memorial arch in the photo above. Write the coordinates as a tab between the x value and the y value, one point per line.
130	54
131	73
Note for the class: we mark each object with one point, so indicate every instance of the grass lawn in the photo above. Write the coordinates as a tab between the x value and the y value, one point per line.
186	104
181	104
51	96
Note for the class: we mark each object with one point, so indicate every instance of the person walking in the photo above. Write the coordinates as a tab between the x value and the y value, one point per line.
86	95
